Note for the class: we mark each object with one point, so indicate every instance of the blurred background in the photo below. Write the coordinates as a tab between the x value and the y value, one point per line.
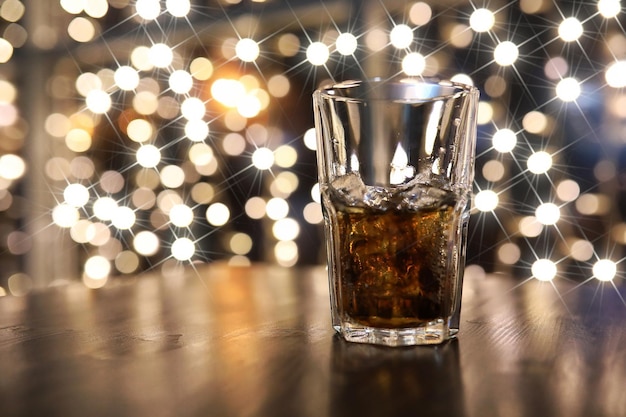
141	135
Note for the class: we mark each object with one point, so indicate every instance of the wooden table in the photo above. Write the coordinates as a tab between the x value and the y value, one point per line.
257	341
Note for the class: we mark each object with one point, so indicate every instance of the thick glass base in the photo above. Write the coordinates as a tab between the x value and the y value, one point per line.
432	333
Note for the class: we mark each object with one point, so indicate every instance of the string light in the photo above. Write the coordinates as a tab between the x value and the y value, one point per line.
346	44
104	207
568	89
506	53
98	101
263	158
570	29
65	215
148	156
126	78
180	81
181	215
539	162
247	50
76	195
286	229
217	214
544	269
160	55
609	8
196	130
317	53
482	20
616	74
183	249
178	8
97	267
12	166
548	213
604	270
228	91
486	200
139	130
188	131
414	63
401	36
123	218
277	208
192	108
148	9
146	243
504	140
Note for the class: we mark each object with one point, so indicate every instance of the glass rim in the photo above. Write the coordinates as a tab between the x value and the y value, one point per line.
402	89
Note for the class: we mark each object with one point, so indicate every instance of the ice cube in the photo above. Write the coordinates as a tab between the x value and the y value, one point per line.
421	192
349	187
424	197
377	197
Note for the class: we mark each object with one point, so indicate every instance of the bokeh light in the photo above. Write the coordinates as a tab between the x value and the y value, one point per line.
6	50
604	270
482	20
581	250
486	200
539	162
263	158
568	190
178	8
414	63
148	156
146	243
504	140
506	53
548	214
148	9
126	77
65	215
97	267
76	195
217	214
98	101
247	50
420	13
544	269
570	29
346	44
317	53
183	249
81	29
12	166
181	215
609	8
180	81
401	36
616	74
568	89
123	218
104	207
286	229
162	139
160	55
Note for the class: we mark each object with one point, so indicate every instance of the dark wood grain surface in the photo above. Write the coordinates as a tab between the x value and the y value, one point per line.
257	342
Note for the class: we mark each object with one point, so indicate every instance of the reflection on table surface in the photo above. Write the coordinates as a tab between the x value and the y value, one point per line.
220	341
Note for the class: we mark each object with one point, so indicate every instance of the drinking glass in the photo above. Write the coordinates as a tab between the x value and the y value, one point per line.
395	167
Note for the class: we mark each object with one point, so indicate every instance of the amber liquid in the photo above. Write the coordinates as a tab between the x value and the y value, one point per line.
395	266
